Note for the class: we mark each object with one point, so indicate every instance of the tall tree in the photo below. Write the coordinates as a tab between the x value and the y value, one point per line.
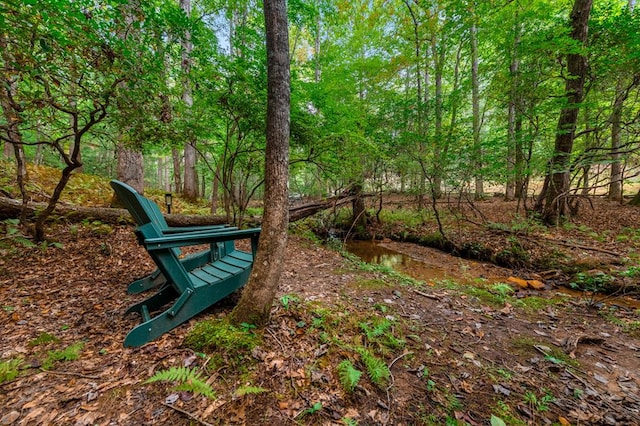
553	201
130	168
190	184
475	103
255	304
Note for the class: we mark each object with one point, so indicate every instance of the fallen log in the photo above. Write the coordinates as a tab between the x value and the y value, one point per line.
309	209
11	208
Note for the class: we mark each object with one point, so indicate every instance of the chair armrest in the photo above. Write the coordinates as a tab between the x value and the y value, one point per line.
196	238
181	229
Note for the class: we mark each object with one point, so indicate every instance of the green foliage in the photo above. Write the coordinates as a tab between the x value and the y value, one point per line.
287	299
410	219
348	421
349	375
597	282
14	234
505	415
502	289
520	224
43	339
248	390
379	330
627	325
514	255
97	228
535	303
539	403
376	368
386	271
631	272
223	339
311	410
9	369
70	353
187	379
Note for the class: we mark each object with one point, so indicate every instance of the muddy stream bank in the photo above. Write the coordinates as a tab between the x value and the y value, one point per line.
430	264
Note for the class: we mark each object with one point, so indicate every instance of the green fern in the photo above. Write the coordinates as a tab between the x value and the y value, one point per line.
248	390
349	375
188	379
379	328
43	339
9	369
70	353
376	368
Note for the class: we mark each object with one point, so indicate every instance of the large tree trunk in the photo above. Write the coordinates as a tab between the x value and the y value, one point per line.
475	102
512	134
440	150
255	304
11	112
190	189
130	167
615	183
553	203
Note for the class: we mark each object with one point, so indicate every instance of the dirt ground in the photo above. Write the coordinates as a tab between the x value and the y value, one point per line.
537	358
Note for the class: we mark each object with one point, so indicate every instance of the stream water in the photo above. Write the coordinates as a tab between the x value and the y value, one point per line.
427	264
377	254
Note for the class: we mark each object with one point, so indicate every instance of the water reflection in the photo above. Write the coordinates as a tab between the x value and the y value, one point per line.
373	253
467	272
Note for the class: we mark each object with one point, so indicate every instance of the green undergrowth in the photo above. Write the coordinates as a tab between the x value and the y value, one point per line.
48	354
496	295
10	369
185	379
628	322
227	344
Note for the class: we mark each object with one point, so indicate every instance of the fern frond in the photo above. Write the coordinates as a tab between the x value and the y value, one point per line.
248	390
10	369
174	374
188	379
376	368
197	387
349	375
349	422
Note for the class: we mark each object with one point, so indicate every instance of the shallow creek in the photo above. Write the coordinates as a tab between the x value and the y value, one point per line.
426	264
429	264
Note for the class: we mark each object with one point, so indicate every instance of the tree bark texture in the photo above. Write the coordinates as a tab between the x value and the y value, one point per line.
255	304
512	135
11	112
475	102
130	167
553	203
190	189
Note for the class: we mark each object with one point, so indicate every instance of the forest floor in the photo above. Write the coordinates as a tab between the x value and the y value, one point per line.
420	352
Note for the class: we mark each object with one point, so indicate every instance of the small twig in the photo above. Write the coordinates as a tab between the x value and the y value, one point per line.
186	413
276	339
427	295
400	357
70	373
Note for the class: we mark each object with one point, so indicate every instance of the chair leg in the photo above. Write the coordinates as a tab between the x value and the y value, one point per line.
154	280
188	305
155	302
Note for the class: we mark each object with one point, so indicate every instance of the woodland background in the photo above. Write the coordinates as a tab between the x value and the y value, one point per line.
426	97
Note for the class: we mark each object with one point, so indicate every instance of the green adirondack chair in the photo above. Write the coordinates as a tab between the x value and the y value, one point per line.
191	284
156	279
